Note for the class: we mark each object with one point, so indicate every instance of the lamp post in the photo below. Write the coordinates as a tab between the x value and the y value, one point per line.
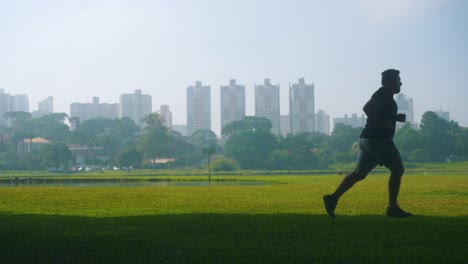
208	151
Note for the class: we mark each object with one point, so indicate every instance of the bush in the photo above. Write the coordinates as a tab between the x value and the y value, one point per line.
224	164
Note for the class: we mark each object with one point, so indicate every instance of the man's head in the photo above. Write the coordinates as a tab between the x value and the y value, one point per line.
391	80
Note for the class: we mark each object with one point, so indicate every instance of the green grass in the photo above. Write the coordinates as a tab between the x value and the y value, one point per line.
278	223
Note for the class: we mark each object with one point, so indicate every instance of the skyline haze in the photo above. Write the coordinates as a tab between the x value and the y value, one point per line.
75	50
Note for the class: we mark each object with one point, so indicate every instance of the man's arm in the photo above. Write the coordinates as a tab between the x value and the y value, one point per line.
371	109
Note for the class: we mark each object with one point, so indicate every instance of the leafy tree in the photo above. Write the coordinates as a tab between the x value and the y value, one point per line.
129	157
251	148
154	142
178	146
248	123
461	142
111	134
439	136
419	155
19	118
54	155
294	152
202	139
51	127
21	127
408	139
343	137
224	164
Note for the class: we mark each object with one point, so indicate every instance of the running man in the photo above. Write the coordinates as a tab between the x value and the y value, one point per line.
376	146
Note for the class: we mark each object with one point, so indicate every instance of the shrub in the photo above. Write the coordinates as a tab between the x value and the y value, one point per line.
224	164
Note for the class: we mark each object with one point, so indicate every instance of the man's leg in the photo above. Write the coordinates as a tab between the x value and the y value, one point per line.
348	182
394	186
364	165
388	155
395	165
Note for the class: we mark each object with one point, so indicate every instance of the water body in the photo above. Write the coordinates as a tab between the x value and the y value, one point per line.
123	183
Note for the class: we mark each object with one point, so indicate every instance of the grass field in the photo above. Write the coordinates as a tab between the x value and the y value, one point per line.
279	223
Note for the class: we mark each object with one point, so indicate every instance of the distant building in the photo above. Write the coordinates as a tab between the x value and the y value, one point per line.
353	121
44	107
12	103
29	145
232	102
4	106
83	154
87	111
284	124
166	115
443	114
322	122
198	108
267	104
302	107
182	129
19	102
135	106
405	106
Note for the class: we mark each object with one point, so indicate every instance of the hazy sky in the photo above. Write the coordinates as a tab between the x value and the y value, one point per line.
74	50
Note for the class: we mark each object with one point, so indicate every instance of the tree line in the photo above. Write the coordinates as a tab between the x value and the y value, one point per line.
245	144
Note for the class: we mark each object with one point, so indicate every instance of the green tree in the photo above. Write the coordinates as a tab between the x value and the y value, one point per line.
52	127
251	149
224	164
461	143
129	157
110	134
407	140
54	155
21	127
154	141
248	123
439	136
201	139
294	152
343	137
419	155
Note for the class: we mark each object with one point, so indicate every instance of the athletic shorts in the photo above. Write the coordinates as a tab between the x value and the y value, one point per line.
378	151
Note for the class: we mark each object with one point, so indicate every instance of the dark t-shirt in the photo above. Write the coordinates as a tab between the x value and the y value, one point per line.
387	109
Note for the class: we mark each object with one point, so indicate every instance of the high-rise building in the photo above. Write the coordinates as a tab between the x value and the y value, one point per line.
198	108
44	107
405	106
166	115
4	106
302	107
267	104
87	111
19	102
182	129
284	125
12	103
135	106
232	102
353	121
443	114
322	122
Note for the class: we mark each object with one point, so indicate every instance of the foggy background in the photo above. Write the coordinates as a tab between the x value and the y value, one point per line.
74	50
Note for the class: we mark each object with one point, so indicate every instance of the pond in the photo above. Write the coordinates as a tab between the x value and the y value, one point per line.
123	182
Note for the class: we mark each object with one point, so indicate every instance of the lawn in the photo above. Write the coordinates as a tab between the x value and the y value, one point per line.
283	222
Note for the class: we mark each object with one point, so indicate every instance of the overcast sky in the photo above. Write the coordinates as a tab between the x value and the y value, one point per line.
74	50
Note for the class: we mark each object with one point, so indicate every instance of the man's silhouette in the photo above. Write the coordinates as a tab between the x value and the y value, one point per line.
376	145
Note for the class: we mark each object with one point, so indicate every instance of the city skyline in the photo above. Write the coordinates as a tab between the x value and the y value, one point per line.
97	109
76	50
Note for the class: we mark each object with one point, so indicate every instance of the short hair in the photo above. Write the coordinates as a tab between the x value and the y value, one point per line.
388	76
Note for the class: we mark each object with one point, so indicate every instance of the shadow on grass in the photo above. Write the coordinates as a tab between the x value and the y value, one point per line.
238	238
